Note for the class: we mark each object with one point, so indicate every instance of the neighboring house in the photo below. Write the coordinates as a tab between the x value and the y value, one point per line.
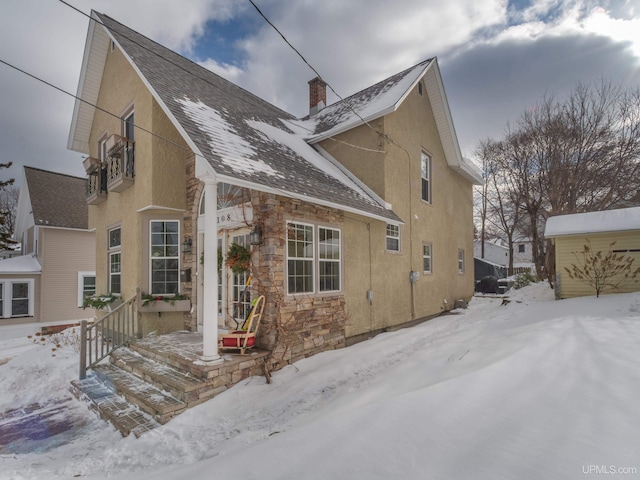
570	234
44	288
494	251
350	234
497	251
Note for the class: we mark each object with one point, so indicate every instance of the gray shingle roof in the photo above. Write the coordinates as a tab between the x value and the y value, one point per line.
241	136
57	200
368	103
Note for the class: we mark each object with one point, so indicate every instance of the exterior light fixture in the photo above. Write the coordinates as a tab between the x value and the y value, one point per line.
255	237
186	245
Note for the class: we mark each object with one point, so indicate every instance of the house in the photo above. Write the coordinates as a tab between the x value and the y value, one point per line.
358	218
496	251
570	234
43	289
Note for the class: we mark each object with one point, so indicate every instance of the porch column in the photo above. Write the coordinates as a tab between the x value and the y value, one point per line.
210	270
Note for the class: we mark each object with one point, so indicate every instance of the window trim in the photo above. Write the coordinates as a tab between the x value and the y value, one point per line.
425	158
461	261
81	277
312	258
430	257
7	297
113	250
387	236
316	260
330	260
178	256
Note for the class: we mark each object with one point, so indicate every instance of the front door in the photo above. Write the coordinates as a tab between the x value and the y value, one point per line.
234	289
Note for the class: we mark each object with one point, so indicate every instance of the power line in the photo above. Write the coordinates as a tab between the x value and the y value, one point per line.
188	72
384	135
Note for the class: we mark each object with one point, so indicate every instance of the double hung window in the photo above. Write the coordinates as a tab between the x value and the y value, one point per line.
314	259
16	298
165	257
115	260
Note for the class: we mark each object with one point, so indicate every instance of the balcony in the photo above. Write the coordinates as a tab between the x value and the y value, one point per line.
96	187
120	163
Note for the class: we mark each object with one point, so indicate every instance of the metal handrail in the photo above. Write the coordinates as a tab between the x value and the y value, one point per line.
112	331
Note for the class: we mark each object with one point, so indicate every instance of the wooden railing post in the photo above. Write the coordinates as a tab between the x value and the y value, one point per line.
83	349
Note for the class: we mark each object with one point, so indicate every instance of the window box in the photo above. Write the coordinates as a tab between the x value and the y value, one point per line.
166	306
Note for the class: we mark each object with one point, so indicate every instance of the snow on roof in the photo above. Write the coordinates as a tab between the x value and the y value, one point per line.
21	264
593	222
367	104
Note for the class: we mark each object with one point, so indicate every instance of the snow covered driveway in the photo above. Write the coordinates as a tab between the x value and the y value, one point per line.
534	389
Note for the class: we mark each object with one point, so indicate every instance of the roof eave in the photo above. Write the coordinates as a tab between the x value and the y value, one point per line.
444	123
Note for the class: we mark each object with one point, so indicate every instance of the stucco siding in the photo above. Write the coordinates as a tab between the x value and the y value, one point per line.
160	167
446	223
569	249
63	253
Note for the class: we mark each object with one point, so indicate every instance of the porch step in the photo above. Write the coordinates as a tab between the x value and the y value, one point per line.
111	407
157	403
182	385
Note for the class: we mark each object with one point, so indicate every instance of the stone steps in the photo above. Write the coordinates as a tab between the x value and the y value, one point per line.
111	407
161	405
158	377
183	386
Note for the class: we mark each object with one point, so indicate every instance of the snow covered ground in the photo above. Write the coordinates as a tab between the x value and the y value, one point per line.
533	389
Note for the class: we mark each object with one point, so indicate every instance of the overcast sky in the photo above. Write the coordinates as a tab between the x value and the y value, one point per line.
497	57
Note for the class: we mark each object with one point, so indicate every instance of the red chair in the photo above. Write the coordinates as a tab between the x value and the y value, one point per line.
245	338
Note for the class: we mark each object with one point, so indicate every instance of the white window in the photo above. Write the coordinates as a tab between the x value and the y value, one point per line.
314	259
16	298
165	257
393	238
425	168
329	259
115	260
86	286
460	261
300	258
426	258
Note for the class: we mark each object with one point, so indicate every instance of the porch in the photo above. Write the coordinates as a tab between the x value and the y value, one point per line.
162	376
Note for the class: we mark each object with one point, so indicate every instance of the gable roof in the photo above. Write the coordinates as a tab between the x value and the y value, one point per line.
622	219
57	200
236	136
386	97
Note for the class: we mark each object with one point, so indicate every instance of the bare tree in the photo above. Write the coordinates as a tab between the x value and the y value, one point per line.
7	215
574	155
9	204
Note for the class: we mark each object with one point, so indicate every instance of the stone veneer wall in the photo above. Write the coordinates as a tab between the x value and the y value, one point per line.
194	190
293	327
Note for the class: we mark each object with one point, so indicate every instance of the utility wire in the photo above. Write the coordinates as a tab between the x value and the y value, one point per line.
188	72
384	135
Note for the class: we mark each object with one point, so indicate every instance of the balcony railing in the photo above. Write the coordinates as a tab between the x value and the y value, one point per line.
96	186
120	163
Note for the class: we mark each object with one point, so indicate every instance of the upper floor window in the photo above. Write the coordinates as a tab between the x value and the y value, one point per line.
460	261
426	258
313	249
521	248
393	238
165	257
115	260
425	169
420	88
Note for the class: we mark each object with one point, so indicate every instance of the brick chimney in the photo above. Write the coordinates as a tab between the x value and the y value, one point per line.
317	95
